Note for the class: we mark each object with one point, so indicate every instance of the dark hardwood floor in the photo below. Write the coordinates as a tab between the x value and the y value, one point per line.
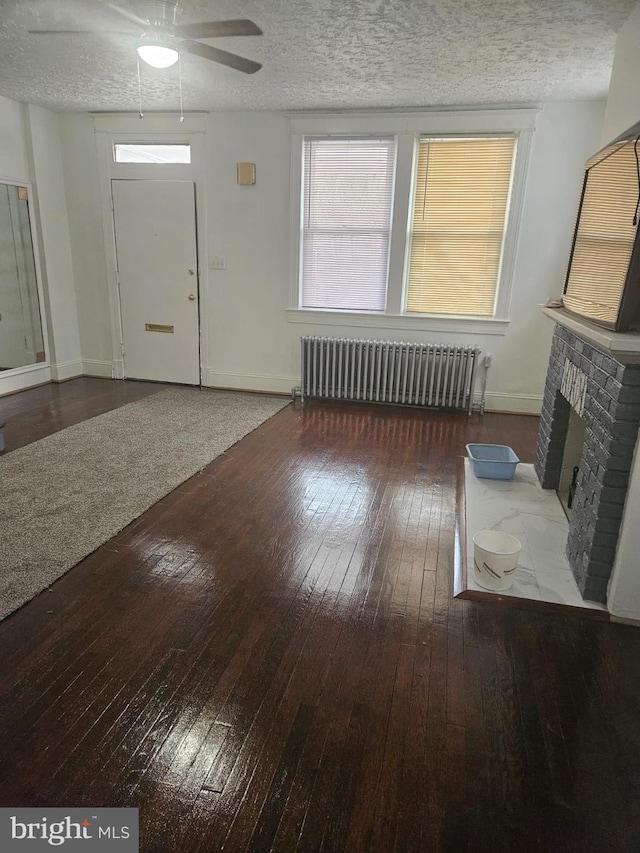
270	658
33	414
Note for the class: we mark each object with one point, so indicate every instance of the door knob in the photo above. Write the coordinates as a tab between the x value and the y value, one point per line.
192	296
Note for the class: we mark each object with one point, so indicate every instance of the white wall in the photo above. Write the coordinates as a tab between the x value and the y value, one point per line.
623	102
252	344
13	147
87	240
250	339
51	204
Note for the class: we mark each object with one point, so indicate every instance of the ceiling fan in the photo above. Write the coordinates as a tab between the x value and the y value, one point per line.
160	38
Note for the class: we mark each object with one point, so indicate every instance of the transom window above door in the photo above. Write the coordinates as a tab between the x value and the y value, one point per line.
152	152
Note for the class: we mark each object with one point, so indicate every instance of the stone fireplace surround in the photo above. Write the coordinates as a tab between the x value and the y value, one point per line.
591	371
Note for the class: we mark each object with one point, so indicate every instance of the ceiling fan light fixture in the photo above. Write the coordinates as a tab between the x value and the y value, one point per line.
158	55
163	41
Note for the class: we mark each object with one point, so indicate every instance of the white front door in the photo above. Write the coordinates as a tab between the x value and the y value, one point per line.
155	229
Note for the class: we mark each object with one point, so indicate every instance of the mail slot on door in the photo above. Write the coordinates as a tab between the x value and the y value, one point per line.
156	327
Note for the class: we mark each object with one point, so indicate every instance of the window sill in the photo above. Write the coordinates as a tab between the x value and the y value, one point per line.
460	325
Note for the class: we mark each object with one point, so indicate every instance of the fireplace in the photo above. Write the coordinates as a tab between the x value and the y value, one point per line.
589	421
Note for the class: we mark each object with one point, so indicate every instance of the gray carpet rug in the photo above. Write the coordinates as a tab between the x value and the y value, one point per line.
64	496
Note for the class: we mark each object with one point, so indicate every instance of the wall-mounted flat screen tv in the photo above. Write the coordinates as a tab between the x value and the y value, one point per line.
603	279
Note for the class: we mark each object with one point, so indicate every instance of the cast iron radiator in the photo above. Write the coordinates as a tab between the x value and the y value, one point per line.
389	372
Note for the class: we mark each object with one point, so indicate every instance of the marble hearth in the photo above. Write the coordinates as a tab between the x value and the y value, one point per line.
533	515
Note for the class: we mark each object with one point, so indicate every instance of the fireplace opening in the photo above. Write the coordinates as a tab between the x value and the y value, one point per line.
574	443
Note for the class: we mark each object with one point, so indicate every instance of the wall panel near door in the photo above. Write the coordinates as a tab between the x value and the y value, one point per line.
156	250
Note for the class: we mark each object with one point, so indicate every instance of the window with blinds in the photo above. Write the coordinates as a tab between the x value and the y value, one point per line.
604	237
461	200
346	222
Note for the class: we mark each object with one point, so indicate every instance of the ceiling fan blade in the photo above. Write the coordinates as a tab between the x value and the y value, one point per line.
214	29
248	66
78	33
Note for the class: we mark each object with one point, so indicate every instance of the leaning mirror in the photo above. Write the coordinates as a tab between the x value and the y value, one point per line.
21	337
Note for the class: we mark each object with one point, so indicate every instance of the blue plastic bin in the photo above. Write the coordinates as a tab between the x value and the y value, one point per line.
492	461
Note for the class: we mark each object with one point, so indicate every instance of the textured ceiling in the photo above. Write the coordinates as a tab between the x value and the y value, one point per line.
322	54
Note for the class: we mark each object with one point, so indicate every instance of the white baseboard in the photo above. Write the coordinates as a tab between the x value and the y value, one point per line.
249	381
627	620
60	372
527	404
93	367
66	370
515	404
24	377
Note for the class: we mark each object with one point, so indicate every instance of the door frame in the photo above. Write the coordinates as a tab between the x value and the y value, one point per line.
158	128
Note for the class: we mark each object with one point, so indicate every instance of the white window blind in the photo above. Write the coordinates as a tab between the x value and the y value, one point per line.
346	223
459	220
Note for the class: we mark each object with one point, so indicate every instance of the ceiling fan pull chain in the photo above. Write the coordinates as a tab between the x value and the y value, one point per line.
139	88
180	85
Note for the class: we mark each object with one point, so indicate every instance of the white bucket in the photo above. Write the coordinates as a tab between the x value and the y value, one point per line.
495	558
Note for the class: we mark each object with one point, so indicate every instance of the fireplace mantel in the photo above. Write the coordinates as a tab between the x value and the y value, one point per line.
623	346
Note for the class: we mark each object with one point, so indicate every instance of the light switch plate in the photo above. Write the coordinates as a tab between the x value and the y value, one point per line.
217	262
